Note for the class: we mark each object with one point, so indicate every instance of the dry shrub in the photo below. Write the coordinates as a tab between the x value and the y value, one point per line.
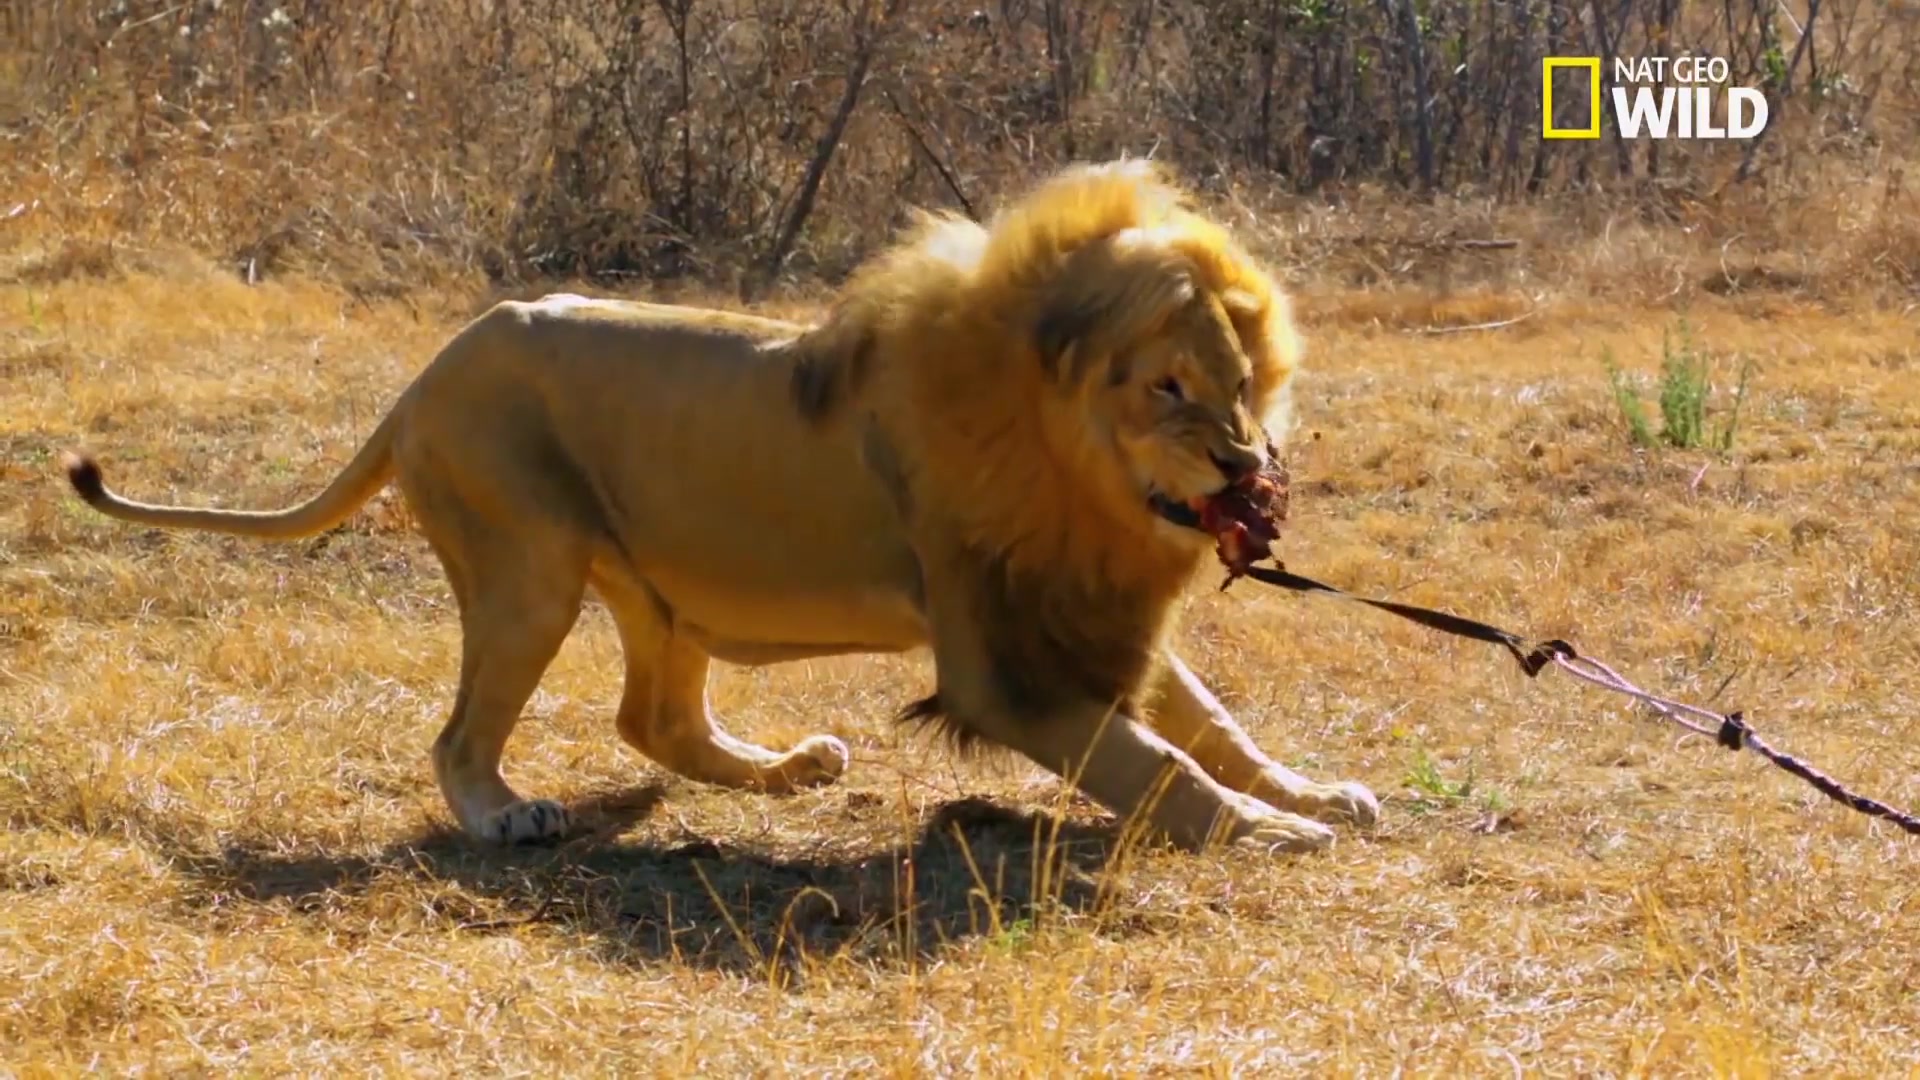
392	145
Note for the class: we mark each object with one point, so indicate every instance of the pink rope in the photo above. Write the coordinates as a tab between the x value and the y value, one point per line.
1731	731
1601	675
1728	729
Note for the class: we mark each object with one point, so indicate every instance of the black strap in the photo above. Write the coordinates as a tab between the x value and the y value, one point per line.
1532	658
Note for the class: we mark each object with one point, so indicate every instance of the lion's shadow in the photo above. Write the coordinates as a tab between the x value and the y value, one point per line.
972	868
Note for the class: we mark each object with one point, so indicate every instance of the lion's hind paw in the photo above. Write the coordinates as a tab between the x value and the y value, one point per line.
530	821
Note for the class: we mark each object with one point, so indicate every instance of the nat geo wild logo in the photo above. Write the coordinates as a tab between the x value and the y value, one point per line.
1657	97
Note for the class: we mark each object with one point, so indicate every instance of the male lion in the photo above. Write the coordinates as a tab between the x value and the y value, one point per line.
986	447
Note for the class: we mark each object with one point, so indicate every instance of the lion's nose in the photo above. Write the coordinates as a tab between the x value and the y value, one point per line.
1237	464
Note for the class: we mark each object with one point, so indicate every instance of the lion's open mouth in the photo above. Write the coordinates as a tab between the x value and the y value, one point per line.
1243	519
1183	514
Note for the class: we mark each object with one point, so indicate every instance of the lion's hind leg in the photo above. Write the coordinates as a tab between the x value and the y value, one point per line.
518	578
514	618
665	713
1184	712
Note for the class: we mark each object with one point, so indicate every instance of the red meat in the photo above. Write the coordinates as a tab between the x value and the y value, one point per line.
1245	519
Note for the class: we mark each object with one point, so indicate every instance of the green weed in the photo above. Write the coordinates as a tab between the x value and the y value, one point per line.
1685	389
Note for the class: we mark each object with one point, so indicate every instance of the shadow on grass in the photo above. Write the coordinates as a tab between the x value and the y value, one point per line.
973	868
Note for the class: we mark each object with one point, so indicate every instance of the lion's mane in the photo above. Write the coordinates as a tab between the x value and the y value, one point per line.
946	344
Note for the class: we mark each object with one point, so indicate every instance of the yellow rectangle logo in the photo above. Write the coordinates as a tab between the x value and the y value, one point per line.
1547	66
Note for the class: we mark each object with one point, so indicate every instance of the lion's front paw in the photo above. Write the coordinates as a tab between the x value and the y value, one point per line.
817	760
1280	831
1348	801
529	821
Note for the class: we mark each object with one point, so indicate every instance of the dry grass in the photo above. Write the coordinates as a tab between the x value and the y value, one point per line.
223	849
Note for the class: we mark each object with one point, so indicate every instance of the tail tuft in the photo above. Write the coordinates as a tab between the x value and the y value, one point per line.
84	474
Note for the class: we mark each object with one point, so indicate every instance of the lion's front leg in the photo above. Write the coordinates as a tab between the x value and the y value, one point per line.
1189	716
1112	758
1133	771
1116	760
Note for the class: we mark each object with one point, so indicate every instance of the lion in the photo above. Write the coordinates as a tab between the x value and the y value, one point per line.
984	448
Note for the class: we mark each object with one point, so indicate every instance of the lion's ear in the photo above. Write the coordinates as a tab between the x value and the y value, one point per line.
1101	304
1060	336
1242	304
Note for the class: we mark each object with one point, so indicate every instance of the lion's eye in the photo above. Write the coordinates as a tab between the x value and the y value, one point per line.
1169	387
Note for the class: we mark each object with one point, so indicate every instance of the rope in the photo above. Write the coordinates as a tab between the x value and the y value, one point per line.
1727	729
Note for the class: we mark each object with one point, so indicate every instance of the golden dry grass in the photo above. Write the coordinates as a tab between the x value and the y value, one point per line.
223	849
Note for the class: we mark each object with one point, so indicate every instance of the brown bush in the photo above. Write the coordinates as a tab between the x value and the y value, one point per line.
720	141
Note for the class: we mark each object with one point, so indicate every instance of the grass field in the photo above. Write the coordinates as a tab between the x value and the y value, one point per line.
223	849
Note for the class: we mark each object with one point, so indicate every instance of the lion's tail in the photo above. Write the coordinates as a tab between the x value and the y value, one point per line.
369	470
